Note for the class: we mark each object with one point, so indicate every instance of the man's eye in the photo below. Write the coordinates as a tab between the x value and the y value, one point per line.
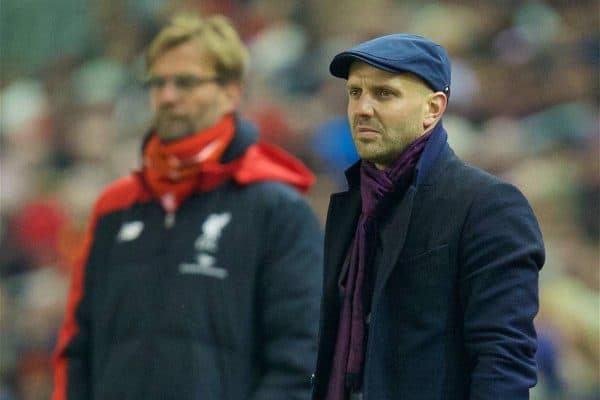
185	81
385	93
181	82
354	92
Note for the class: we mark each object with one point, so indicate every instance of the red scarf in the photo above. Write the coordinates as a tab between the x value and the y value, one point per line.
174	171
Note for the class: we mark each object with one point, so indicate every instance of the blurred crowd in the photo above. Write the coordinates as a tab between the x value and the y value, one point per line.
524	105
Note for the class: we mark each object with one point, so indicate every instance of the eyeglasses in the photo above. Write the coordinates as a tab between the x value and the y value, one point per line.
181	82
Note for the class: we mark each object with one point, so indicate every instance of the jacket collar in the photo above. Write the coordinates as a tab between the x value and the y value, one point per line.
246	134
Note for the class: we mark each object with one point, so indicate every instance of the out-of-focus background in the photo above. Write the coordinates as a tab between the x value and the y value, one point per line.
524	105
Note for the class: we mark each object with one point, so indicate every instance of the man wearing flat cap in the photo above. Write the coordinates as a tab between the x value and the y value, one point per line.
431	265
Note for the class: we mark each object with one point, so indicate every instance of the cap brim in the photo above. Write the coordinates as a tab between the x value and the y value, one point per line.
340	65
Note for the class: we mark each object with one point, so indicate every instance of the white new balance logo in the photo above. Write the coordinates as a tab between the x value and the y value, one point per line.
130	231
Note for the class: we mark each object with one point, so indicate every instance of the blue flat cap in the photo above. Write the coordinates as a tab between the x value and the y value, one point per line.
400	52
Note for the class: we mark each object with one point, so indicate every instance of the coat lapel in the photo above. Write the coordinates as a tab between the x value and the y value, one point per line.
344	209
393	233
392	236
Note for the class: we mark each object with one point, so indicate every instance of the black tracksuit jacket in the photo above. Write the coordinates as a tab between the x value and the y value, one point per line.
220	303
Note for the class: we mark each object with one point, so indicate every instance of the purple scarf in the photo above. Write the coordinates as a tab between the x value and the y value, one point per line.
375	188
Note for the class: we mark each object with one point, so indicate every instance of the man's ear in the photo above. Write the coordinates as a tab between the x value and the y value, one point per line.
435	107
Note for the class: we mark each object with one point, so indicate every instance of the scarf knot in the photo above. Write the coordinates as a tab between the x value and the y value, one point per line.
374	186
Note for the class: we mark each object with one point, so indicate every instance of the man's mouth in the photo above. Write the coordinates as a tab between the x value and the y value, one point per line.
366	128
367	132
170	116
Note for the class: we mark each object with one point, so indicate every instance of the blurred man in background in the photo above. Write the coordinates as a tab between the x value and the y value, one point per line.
431	274
200	277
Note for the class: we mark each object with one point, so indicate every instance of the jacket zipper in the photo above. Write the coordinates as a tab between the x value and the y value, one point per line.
169	220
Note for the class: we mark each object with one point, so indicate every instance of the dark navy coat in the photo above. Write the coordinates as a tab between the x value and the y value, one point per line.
456	287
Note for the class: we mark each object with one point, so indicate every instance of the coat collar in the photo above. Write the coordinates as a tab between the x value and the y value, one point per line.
437	144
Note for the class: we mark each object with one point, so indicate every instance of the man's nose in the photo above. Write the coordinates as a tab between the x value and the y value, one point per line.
363	106
168	93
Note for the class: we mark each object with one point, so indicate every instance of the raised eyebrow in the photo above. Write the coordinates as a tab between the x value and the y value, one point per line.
379	86
386	87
